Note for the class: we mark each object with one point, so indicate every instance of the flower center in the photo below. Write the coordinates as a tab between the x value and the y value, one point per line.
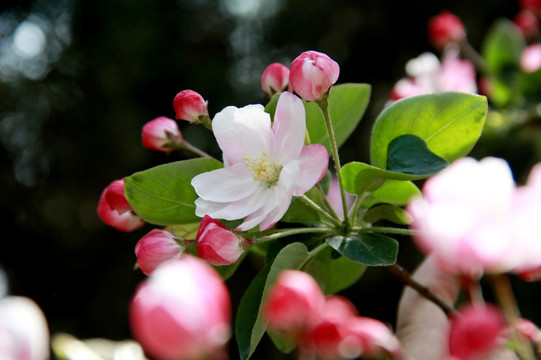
264	169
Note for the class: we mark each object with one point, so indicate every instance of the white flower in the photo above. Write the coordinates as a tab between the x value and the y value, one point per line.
264	165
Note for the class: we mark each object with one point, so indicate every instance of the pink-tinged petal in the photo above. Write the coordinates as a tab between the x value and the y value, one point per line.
216	244
289	128
155	248
314	162
115	197
204	207
242	133
276	214
227	184
241	208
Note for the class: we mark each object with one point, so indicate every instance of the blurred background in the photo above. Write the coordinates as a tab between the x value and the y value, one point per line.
78	79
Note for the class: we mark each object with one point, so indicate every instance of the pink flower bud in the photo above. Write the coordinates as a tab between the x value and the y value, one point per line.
24	334
217	245
115	211
275	79
161	134
530	60
294	304
476	331
444	29
312	74
182	311
528	24
375	337
528	329
154	248
531	5
190	106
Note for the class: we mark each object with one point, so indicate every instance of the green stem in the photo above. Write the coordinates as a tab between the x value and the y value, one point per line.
328	205
324	106
506	299
277	234
319	210
187	146
313	253
388	230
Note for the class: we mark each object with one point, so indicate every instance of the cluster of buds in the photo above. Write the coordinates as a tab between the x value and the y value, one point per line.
324	327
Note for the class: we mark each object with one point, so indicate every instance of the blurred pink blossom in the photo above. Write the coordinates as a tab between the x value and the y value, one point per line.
530	60
444	29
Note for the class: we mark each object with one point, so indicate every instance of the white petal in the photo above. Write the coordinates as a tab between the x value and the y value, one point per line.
227	184
289	128
276	214
204	207
244	132
314	161
244	207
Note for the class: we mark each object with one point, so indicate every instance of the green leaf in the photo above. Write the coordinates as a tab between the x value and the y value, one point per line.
184	231
163	195
250	325
387	212
347	104
449	123
393	192
370	249
271	105
359	177
409	154
334	274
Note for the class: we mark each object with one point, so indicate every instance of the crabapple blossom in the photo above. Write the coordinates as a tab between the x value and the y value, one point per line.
161	134
275	79
264	165
530	59
217	245
182	311
154	248
24	334
115	211
476	332
190	106
462	216
312	74
444	29
427	75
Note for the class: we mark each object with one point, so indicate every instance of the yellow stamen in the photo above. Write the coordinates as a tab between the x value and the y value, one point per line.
264	169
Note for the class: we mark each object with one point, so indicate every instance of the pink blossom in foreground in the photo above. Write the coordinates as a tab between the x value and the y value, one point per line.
217	245
426	76
161	134
530	59
444	29
24	334
115	211
312	74
265	165
190	106
154	248
182	311
463	215
275	79
476	332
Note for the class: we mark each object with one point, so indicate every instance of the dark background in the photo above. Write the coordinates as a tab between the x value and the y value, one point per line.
71	113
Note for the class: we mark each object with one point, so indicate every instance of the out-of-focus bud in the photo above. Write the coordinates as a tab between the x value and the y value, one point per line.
190	106
476	331
529	330
530	60
528	24
115	211
312	74
24	334
275	79
375	338
444	29
154	248
182	311
217	245
531	5
294	304
161	134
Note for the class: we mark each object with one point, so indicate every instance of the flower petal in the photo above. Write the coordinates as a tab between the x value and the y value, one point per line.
243	207
242	133
227	184
314	161
289	128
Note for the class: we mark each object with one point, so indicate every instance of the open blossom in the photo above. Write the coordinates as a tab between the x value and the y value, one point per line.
530	59
217	245
444	29
312	74
161	134
427	75
190	106
264	166
154	248
114	210
275	79
182	311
